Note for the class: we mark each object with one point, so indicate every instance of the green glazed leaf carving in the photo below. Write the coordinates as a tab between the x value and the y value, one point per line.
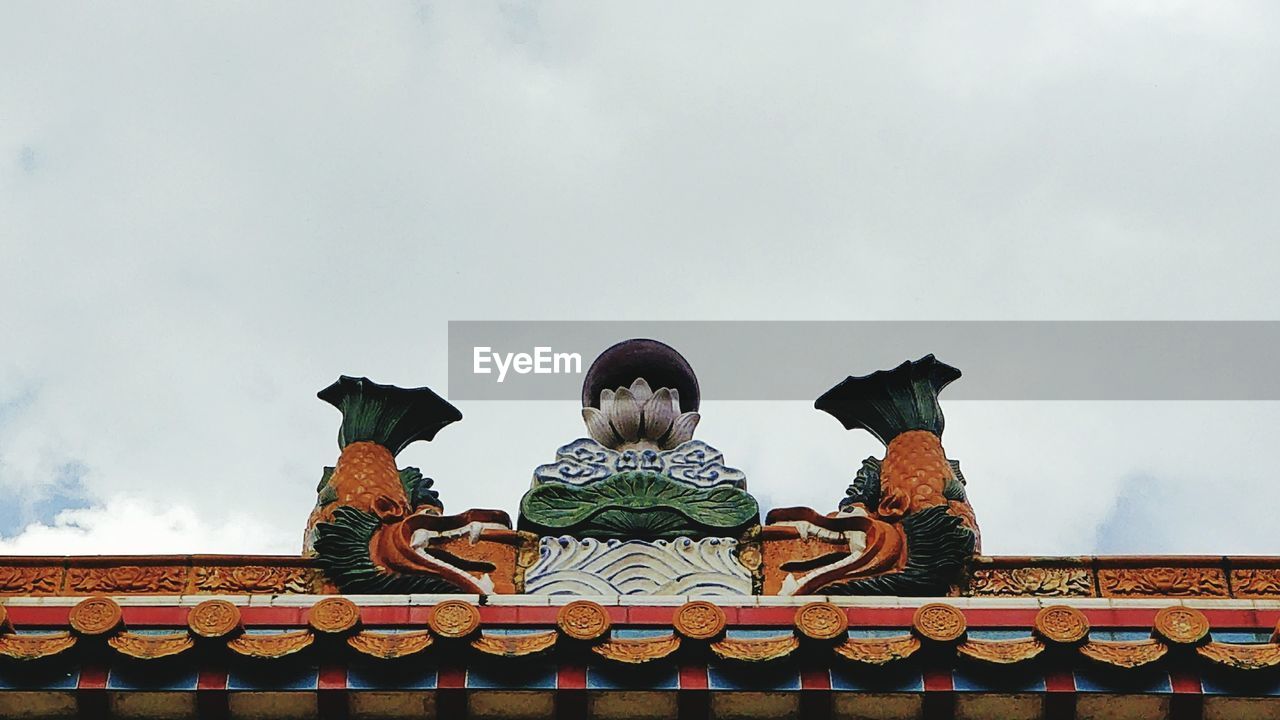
637	505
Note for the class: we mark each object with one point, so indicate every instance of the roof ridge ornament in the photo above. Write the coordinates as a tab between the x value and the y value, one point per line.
905	522
377	528
640	507
669	512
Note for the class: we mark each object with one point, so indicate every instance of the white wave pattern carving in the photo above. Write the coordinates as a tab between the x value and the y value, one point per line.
585	461
569	566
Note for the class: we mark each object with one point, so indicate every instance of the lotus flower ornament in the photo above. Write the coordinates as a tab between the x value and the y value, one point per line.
639	418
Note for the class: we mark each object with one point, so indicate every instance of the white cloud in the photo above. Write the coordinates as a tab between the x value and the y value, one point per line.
210	212
125	525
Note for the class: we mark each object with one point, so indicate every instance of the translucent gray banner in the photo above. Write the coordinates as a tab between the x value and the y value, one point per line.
798	360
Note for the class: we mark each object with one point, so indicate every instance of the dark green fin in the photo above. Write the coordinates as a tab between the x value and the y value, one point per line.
325	492
887	403
390	416
420	490
865	488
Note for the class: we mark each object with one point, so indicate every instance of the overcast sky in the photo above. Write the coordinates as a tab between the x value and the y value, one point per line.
207	213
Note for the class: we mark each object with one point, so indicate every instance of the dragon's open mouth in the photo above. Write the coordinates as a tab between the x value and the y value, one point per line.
429	544
424	539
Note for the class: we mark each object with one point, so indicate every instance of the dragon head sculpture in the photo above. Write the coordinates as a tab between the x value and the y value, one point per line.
905	526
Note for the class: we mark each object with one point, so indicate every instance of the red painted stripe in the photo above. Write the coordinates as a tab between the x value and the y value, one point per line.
1262	618
693	677
211	679
91	700
499	615
938	681
766	615
92	677
144	616
571	677
285	616
537	615
815	679
1060	681
1185	683
880	617
332	677
451	678
386	615
28	615
650	615
939	701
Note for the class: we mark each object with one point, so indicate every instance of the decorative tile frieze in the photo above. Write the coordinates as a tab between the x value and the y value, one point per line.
1162	581
1034	581
30	580
251	579
117	579
1255	582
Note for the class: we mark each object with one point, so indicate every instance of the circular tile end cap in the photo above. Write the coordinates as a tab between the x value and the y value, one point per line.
939	622
583	620
1062	624
96	616
454	619
1181	625
334	615
214	619
699	620
821	621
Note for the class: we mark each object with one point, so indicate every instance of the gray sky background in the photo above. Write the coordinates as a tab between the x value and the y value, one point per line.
208	212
